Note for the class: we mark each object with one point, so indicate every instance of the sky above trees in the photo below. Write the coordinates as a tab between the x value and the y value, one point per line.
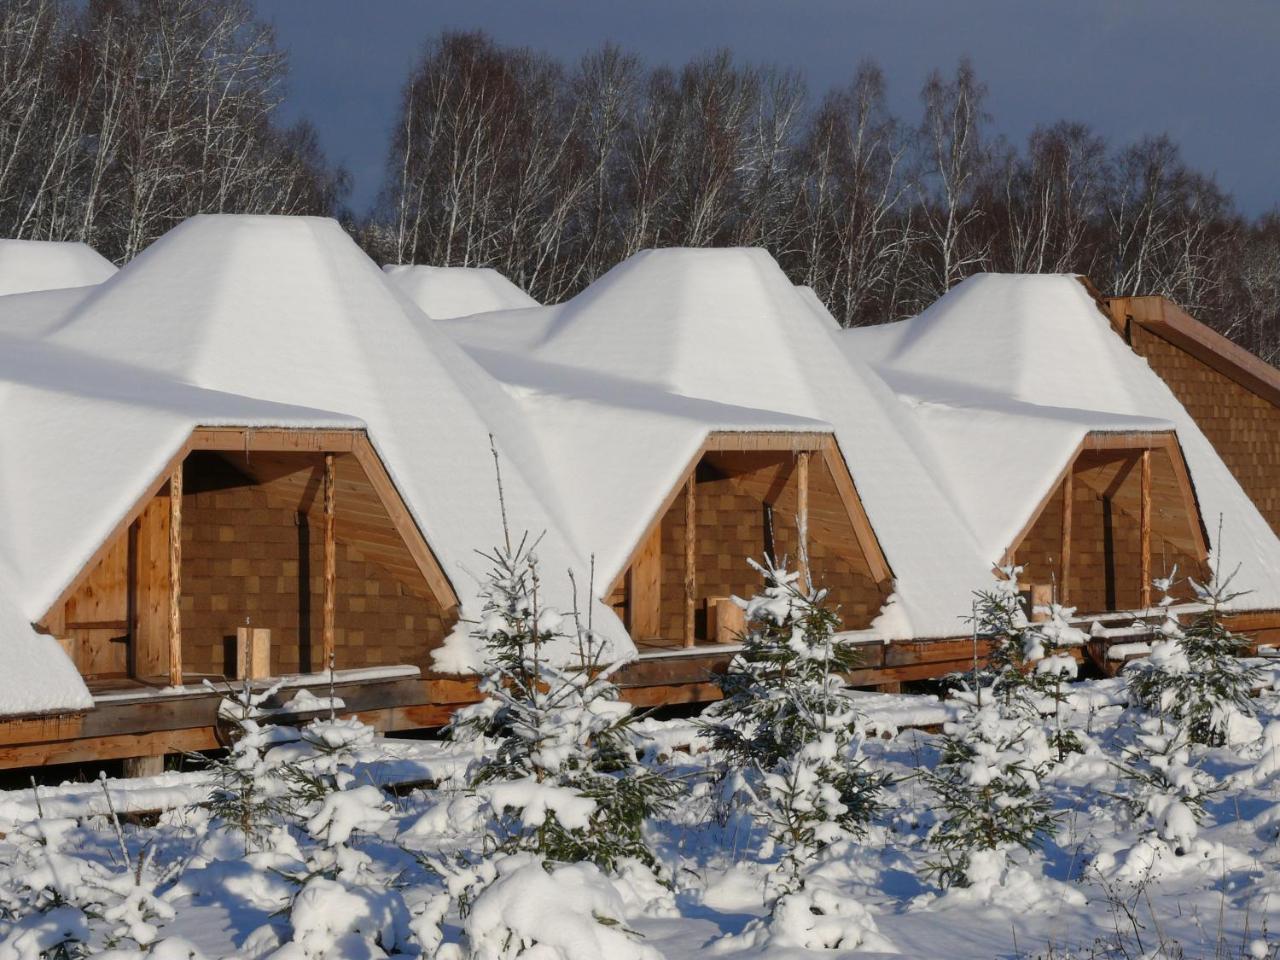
1206	74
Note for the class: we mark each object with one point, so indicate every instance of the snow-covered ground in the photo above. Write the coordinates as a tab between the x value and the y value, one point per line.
1092	892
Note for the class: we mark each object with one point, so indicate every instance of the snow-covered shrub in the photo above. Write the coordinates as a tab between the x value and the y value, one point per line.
998	618
563	778
332	920
788	724
819	917
1045	647
988	786
548	910
250	792
1169	790
56	903
1194	677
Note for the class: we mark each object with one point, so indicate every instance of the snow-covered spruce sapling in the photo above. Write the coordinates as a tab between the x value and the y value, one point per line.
788	723
1168	790
1194	677
998	618
250	793
988	787
1045	647
563	778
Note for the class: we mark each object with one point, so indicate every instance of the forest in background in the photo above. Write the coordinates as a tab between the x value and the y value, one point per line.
120	118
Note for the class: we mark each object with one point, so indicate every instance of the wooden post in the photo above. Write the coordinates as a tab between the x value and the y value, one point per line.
330	564
644	589
690	570
1064	568
802	517
253	653
1145	520
175	577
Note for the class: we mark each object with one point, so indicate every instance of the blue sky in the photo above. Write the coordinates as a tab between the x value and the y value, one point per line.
1207	73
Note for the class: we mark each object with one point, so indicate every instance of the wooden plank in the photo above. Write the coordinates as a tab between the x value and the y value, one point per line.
1064	564
175	577
862	529
690	557
253	653
726	621
748	440
276	440
149	590
110	747
802	516
1144	524
644	589
1124	440
328	633
404	522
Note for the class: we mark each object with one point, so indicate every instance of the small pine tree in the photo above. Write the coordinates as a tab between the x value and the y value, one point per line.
988	786
998	617
564	779
1194	676
788	721
1045	647
1169	791
250	793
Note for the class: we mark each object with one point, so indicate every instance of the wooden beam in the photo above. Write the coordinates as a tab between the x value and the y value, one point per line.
175	577
690	557
783	440
1126	440
1144	520
802	516
300	440
1064	564
330	565
862	528
253	653
644	589
404	522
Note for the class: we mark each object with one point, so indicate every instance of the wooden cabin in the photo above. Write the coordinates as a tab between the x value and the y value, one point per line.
256	554
1122	513
750	495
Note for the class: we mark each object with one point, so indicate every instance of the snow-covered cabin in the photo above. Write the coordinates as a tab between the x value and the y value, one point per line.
444	293
29	265
333	440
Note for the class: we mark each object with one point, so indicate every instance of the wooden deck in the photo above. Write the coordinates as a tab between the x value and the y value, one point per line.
138	718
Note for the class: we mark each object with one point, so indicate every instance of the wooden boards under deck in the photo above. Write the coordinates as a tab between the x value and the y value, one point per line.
187	722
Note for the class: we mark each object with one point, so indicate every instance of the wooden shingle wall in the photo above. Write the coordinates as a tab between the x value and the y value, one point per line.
1243	427
1106	570
731	528
246	555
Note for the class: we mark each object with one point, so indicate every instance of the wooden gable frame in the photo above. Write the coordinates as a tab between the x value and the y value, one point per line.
805	445
1141	446
326	444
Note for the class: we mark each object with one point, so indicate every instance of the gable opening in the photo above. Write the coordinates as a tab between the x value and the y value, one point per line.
678	589
1119	518
283	558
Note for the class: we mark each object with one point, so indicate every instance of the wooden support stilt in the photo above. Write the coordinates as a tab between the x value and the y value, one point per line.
1145	520
802	517
690	561
175	577
330	564
1064	570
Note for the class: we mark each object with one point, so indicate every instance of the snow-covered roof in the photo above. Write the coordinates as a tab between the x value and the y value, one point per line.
80	440
289	310
1020	363
444	293
728	328
27	265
